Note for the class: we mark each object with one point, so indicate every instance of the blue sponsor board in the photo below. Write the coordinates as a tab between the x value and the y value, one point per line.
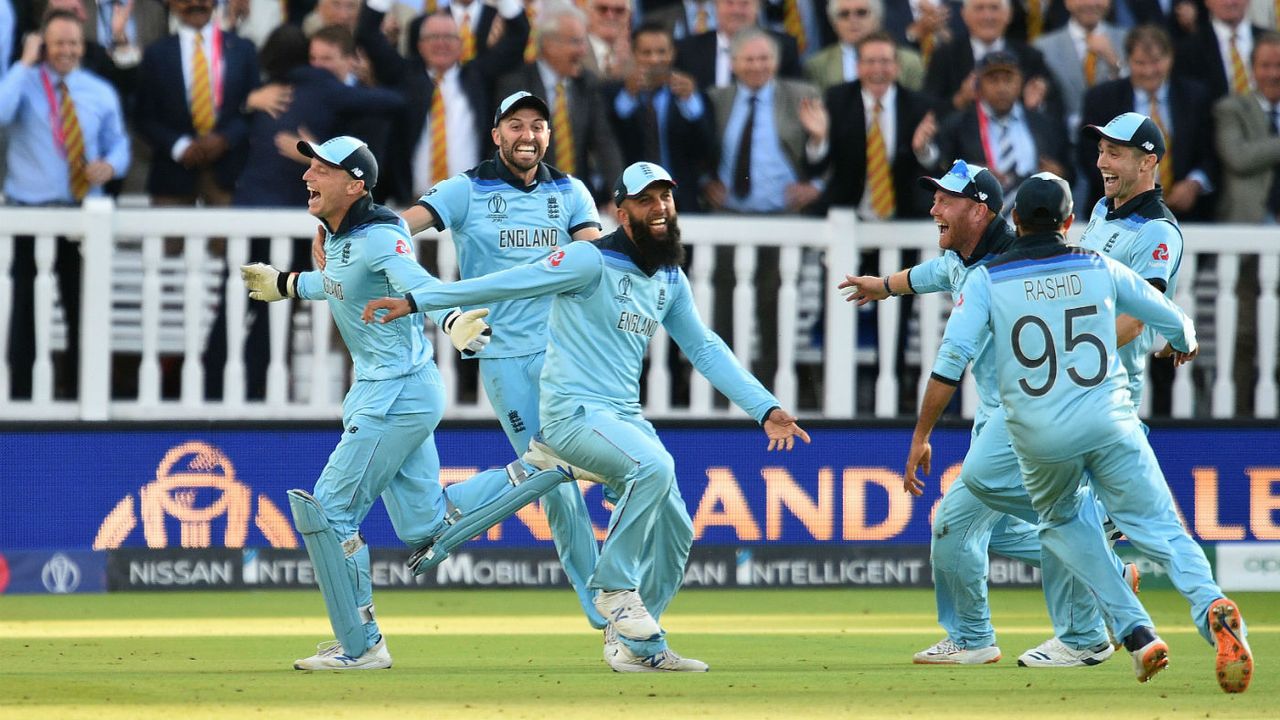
55	572
220	488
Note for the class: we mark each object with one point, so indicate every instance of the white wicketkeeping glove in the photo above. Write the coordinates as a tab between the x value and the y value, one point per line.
267	283
468	331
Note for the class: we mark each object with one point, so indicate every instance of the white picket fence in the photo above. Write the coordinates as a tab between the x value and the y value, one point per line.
139	300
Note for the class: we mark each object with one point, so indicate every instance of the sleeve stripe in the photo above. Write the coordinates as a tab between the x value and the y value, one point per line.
583	226
944	379
439	223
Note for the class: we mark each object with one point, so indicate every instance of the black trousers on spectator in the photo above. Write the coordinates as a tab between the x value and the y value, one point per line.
22	323
257	343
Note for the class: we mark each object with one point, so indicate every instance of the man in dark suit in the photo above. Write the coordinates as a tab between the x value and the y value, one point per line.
197	149
1182	108
707	58
488	23
809	29
1002	135
1217	54
659	115
905	124
582	142
950	76
682	18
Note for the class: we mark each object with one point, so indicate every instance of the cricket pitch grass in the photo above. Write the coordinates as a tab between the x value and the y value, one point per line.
530	654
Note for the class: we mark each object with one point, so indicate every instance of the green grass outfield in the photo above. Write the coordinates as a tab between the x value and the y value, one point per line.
773	653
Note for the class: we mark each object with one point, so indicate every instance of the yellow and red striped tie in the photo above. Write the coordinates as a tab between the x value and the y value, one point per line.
879	179
1239	78
1035	19
1166	161
562	132
531	47
201	92
73	144
468	37
1090	68
792	23
439	141
927	45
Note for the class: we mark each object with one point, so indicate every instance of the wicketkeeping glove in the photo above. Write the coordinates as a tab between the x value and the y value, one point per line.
267	283
468	331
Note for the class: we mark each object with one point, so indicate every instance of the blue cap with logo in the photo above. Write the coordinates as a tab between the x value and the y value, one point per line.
517	100
347	153
969	181
637	177
1133	129
1043	202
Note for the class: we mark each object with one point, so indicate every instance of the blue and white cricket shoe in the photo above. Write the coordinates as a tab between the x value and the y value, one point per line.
1055	653
947	652
626	612
330	656
624	661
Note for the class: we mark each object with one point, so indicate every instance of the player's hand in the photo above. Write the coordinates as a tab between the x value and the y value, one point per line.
1179	358
919	457
268	284
782	430
317	249
468	331
862	289
396	308
682	85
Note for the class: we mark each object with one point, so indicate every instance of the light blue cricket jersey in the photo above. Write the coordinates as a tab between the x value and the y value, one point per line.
499	222
371	256
605	308
947	272
1050	310
1144	236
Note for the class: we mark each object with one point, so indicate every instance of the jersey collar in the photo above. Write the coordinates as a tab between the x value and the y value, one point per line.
504	173
363	212
997	238
1135	204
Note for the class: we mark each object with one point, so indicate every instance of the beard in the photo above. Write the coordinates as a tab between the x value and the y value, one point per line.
657	252
508	152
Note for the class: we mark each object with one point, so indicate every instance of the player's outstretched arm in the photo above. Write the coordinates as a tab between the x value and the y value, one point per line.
268	284
782	429
869	288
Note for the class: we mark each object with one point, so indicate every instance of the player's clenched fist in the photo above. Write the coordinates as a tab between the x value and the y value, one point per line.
468	331
267	283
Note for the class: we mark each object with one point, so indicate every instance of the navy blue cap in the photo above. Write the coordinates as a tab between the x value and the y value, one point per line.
1133	129
348	153
1043	202
998	60
968	181
517	100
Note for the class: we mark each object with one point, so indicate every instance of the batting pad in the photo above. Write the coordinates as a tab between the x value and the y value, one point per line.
329	559
481	502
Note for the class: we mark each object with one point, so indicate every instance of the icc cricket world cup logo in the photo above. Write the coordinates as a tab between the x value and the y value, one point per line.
195	484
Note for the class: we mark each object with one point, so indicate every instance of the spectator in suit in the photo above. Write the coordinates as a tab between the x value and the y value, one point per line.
883	141
481	25
707	56
923	25
1082	53
951	78
804	21
86	148
1217	53
192	86
661	116
1179	106
1248	141
1178	17
1002	135
343	13
609	36
582	142
1033	19
684	18
837	63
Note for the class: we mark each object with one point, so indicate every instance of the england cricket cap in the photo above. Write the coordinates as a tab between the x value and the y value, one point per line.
1043	202
1133	129
517	100
968	181
637	177
347	153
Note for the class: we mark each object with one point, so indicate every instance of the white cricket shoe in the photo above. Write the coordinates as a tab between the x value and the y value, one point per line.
946	652
611	644
330	656
541	456
1055	653
626	612
624	661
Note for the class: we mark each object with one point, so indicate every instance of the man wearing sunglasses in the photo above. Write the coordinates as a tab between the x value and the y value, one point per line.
837	63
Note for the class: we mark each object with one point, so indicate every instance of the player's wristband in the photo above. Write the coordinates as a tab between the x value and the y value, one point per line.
287	284
767	413
888	290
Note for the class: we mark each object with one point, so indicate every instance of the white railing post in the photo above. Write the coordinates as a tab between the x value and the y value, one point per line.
745	262
1268	326
194	250
97	245
839	345
42	372
887	341
1184	377
235	304
149	312
1224	395
280	312
784	385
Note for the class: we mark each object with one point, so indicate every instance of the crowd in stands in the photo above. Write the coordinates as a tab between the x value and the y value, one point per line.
755	106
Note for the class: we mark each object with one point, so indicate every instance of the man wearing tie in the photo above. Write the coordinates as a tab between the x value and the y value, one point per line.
1083	53
66	139
708	58
685	18
1217	54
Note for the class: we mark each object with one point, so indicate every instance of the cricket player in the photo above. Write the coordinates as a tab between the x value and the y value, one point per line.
387	448
987	506
511	210
608	298
1050	312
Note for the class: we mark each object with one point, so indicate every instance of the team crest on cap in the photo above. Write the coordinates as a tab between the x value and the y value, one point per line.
1148	146
982	196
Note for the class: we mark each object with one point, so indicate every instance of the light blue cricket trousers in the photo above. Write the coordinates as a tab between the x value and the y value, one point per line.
1127	478
512	387
650	532
987	508
386	450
